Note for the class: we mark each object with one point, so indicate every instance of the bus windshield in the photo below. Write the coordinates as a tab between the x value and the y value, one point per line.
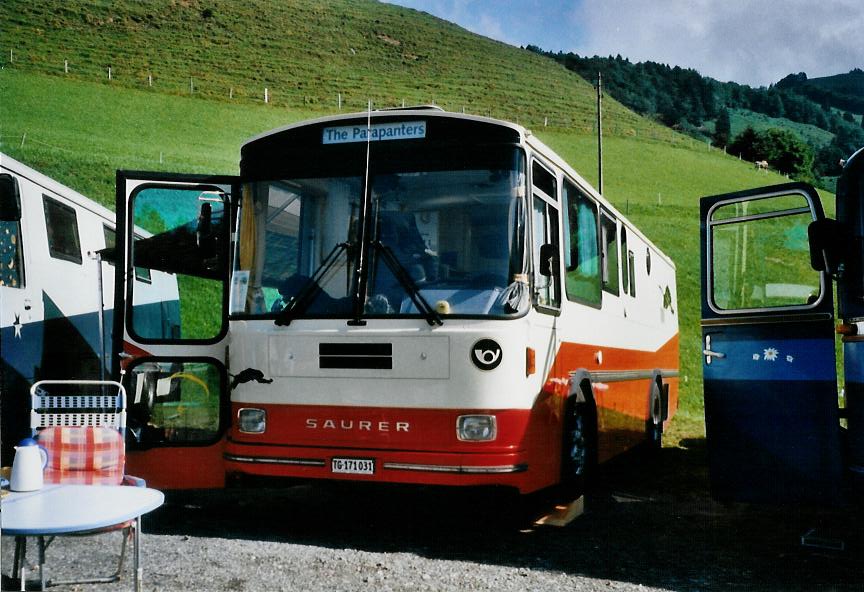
456	233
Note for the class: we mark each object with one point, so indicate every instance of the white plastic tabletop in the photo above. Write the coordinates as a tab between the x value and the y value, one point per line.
65	509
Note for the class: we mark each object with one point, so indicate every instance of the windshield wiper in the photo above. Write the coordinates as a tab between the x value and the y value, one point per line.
311	288
400	273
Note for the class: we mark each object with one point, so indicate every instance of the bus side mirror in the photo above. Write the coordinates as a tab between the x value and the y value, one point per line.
827	237
548	259
10	199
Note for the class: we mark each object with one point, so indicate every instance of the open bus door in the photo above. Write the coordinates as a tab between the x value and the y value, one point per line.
171	323
771	401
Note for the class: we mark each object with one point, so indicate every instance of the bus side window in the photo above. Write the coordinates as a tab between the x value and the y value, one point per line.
625	262
632	268
11	254
609	246
546	288
62	225
581	252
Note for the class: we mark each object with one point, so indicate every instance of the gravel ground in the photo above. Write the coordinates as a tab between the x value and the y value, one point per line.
649	525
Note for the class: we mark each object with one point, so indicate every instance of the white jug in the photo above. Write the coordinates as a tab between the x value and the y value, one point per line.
30	460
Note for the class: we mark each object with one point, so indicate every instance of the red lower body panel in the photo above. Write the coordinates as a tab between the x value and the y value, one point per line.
407	445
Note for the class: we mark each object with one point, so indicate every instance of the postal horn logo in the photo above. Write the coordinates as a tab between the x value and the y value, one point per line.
486	354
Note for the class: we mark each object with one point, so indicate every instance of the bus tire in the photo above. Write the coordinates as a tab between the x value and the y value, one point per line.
578	446
654	423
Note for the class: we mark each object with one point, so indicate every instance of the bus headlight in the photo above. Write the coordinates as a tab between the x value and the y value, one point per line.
251	420
476	428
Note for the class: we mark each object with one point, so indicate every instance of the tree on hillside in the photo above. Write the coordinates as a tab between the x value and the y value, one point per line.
744	145
722	128
783	150
786	152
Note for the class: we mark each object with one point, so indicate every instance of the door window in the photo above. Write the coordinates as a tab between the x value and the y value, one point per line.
178	253
174	402
547	291
760	256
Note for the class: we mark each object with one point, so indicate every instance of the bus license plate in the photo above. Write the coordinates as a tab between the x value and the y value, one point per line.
353	466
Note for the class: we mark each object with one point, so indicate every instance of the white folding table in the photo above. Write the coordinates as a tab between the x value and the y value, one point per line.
57	510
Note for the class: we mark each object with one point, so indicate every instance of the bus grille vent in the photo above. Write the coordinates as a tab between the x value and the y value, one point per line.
369	356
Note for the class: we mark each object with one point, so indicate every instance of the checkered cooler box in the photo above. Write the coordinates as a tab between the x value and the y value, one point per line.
84	455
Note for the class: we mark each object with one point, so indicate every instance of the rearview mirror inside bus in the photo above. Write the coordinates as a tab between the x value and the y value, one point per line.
548	259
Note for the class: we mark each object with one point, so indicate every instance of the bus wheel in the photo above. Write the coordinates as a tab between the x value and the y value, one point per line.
578	451
654	425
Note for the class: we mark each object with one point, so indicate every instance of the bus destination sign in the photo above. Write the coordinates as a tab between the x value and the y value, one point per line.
403	130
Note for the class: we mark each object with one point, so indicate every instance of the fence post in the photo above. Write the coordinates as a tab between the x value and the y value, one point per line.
109	72
191	86
339	100
266	95
150	80
65	66
231	92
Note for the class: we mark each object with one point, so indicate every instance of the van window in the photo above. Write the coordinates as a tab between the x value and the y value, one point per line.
581	248
62	225
609	244
625	262
543	180
11	255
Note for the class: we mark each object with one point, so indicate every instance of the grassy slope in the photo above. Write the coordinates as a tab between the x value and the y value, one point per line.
80	128
305	53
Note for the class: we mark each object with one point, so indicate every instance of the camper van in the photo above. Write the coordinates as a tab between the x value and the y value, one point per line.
398	296
57	290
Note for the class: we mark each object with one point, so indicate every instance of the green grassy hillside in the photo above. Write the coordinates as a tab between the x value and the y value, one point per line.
307	54
742	118
80	133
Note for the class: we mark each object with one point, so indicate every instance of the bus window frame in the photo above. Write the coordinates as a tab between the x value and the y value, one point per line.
604	253
60	207
582	194
553	202
226	271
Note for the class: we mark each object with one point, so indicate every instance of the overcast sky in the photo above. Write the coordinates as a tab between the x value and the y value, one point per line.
755	42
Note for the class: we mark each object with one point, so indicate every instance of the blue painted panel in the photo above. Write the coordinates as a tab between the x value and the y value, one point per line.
771	359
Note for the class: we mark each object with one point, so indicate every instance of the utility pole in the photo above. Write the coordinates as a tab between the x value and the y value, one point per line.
600	133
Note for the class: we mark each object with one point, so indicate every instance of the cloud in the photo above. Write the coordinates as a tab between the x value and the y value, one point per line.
754	42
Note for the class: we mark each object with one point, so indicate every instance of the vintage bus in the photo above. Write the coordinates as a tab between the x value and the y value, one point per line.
399	296
57	292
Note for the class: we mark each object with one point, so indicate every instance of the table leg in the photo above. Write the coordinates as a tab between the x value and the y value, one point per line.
41	563
139	571
16	558
21	552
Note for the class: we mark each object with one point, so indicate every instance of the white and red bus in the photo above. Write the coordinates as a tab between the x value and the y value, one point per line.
401	296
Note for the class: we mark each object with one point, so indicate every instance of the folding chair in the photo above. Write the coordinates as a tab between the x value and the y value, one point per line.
84	436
